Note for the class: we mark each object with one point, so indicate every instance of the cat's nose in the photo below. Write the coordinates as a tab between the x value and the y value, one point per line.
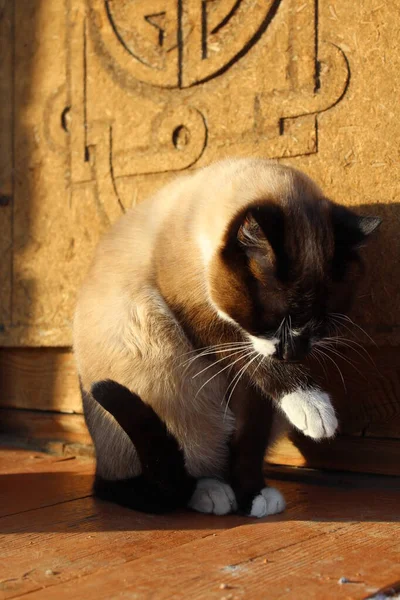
292	351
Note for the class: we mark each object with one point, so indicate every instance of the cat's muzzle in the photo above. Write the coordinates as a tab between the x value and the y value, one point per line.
293	350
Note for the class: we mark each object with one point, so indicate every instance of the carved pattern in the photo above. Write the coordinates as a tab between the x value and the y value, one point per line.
184	43
174	70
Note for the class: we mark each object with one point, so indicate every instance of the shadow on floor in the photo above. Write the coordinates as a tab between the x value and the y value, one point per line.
62	502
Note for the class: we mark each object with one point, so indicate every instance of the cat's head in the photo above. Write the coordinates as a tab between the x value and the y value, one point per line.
289	262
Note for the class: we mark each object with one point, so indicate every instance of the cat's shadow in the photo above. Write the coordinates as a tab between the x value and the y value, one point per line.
49	502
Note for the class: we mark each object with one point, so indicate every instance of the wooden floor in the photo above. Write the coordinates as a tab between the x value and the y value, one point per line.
339	538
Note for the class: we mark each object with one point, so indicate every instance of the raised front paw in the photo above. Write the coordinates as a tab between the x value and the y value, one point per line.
268	502
212	496
311	411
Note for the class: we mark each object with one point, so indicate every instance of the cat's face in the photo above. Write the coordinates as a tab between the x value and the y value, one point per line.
287	267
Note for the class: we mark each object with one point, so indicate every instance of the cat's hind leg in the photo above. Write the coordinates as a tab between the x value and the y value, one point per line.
164	483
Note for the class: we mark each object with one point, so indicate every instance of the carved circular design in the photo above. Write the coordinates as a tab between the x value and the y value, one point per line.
180	137
179	43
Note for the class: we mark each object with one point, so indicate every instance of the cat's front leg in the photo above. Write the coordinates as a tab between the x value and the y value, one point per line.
213	496
311	411
254	417
303	403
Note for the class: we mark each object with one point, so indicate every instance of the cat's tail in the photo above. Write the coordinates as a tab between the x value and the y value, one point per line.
164	483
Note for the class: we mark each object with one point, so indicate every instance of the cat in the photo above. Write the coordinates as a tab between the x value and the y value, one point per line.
192	326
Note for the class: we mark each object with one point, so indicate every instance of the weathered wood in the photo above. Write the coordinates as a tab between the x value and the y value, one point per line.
30	480
293	555
113	552
66	538
67	434
42	426
346	453
42	379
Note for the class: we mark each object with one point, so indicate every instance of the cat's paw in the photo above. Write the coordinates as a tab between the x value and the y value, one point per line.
268	502
212	496
311	411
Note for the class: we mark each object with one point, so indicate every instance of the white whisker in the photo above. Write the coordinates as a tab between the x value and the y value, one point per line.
216	362
314	353
224	369
238	377
337	367
340	355
211	350
213	347
280	327
348	343
347	318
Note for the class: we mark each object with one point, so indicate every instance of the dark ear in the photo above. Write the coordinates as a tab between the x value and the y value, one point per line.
352	230
260	232
249	233
263	225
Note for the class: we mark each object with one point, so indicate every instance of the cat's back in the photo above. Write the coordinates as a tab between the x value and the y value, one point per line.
118	295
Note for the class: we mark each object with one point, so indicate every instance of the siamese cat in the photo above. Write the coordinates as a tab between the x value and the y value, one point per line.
191	328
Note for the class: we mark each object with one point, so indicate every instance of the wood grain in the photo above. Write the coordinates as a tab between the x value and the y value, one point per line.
39	426
345	453
6	158
44	379
291	556
57	545
80	537
31	480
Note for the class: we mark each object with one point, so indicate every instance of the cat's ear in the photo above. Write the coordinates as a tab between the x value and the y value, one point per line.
263	227
352	230
249	233
259	233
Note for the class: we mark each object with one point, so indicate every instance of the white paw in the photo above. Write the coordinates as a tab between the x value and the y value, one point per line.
269	502
311	411
212	496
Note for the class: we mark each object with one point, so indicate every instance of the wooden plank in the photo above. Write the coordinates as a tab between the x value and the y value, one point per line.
66	434
72	538
50	546
15	461
39	480
39	378
346	453
44	426
303	551
294	558
330	478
